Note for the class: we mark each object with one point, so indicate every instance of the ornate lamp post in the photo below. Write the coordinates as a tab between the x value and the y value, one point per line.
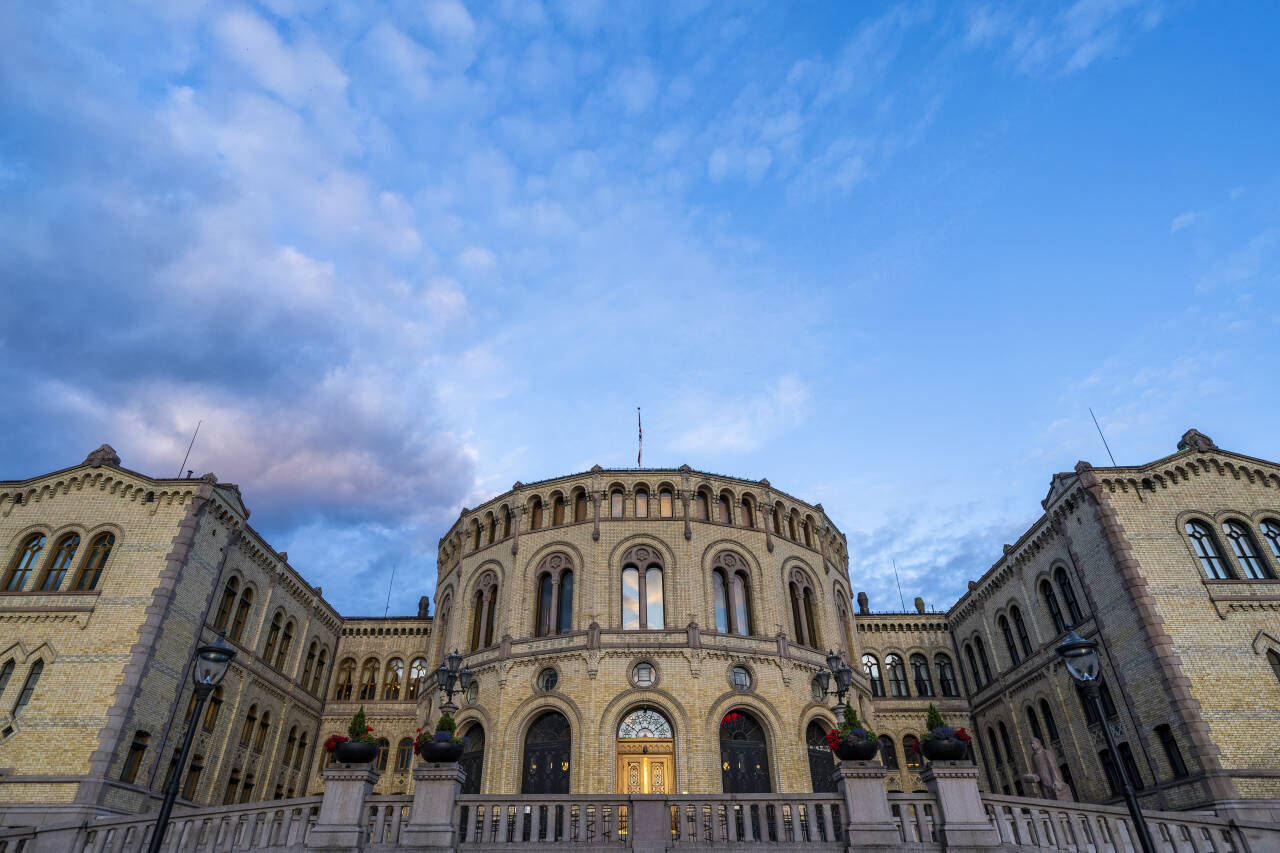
843	675
453	678
1081	657
212	662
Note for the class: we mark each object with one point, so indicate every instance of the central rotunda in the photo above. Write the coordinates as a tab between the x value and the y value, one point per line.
644	631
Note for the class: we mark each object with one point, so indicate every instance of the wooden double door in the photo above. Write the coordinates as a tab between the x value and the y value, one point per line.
645	766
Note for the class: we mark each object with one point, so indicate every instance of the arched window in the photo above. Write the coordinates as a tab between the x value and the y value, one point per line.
133	760
28	687
384	751
1008	747
535	514
726	513
1009	644
732	594
1247	551
981	649
308	665
580	507
1207	550
808	533
554	605
1055	612
721	597
246	792
995	746
417	675
744	755
506	522
1021	627
483	611
846	629
404	752
95	562
557	510
642	593
491	523
777	519
212	709
475	534
300	755
920	673
472	760
802	612
642	503
1051	727
264	725
615	503
319	678
1034	722
748	515
547	747
701	508
56	569
791	527
6	672
369	680
250	720
233	787
1271	532
871	667
1272	658
393	679
273	637
946	675
897	675
290	745
192	782
242	614
822	777
1171	751
666	505
911	750
888	753
1068	595
286	640
23	562
973	666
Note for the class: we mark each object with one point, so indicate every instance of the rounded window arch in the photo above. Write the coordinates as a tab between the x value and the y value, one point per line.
343	684
309	664
557	509
1246	549
1020	626
547	747
227	603
642	502
803	613
1270	528
484	611
822	761
95	561
744	754
731	594
1068	595
393	679
871	666
472	760
644	722
418	672
897	675
579	505
1007	632
748	513
369	680
535	513
643	600
286	641
888	753
506	521
666	502
724	508
318	679
59	562
616	502
553	607
921	675
273	636
1207	550
701	505
241	619
947	682
24	562
1051	603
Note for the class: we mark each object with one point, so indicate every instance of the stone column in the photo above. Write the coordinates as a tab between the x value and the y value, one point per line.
340	825
435	789
961	820
867	819
649	823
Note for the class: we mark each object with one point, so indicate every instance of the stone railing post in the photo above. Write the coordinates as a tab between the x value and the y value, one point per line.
961	820
867	819
340	824
649	823
435	790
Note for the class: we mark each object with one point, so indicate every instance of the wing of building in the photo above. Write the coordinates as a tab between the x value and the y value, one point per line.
640	631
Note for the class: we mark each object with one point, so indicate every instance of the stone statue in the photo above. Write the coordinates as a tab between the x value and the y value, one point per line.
1051	785
1194	439
864	606
104	455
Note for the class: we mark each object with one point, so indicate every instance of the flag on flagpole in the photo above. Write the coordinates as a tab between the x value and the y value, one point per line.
639	439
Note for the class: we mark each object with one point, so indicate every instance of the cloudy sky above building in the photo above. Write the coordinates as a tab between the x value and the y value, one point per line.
397	256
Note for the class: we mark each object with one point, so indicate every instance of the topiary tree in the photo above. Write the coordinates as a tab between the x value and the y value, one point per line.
933	719
446	723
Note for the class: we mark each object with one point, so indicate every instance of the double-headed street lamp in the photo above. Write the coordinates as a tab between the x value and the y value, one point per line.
843	674
212	662
452	677
1081	657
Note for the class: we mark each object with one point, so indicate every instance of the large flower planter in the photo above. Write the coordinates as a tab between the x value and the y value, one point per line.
434	752
355	752
940	749
856	750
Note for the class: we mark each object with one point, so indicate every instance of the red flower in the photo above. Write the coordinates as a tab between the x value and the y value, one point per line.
961	734
333	742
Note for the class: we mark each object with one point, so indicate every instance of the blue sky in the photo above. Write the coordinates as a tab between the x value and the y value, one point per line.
398	256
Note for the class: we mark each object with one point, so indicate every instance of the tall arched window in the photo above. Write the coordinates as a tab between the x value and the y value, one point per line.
417	675
264	725
393	680
748	515
808	533
227	602
946	675
6	672
56	569
777	519
1009	644
28	687
318	682
472	760
290	745
666	504
1272	658
1050	724
897	675
547	747
1034	722
1068	595
1008	747
802	610
301	754
308	665
212	710
643	606
615	503
580	507
242	614
484	611
535	514
973	666
404	752
871	667
1247	551
491	527
95	562
273	637
732	593
920	673
725	511
888	753
554	605
286	641
642	503
701	508
246	731
23	562
791	527
384	751
911	751
995	746
822	777
475	534
1051	602
557	510
133	760
506	522
981	648
1271	532
1207	550
369	680
744	755
1021	627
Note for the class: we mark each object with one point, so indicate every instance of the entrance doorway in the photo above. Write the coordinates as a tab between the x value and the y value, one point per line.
646	752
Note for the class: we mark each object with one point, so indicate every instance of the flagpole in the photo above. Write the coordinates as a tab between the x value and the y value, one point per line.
639	440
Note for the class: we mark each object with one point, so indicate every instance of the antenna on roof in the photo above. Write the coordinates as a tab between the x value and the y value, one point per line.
901	600
391	582
1103	437
189	446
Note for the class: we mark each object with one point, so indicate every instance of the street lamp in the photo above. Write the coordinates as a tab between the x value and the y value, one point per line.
844	679
212	662
452	678
1081	657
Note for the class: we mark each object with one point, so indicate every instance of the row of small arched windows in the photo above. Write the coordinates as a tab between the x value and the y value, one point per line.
56	567
280	634
28	685
1253	563
921	675
394	686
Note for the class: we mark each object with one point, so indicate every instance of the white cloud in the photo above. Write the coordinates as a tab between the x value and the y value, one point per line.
477	259
739	423
451	20
298	73
636	86
1182	220
731	161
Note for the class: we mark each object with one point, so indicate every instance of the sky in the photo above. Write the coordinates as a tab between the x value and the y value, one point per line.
394	257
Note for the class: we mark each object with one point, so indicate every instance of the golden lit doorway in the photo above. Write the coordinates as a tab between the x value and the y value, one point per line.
646	753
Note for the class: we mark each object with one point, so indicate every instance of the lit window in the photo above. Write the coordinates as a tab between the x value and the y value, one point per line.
642	503
643	675
133	760
393	679
666	507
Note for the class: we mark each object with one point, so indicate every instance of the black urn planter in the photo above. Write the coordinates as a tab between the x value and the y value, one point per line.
940	749
434	752
355	752
856	750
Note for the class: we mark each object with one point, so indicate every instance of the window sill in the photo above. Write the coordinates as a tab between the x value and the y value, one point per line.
1234	596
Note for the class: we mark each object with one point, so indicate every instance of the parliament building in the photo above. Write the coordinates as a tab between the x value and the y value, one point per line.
641	631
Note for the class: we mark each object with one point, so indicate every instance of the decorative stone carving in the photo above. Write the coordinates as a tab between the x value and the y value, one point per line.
864	606
919	602
104	455
1192	439
1047	774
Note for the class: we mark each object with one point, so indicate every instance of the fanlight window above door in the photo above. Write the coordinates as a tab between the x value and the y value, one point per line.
644	722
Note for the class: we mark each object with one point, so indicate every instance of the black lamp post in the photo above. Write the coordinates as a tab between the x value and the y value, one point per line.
212	662
843	674
1081	657
453	678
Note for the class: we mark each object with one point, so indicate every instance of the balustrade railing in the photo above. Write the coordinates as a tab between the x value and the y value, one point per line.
561	819
915	815
385	817
756	818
